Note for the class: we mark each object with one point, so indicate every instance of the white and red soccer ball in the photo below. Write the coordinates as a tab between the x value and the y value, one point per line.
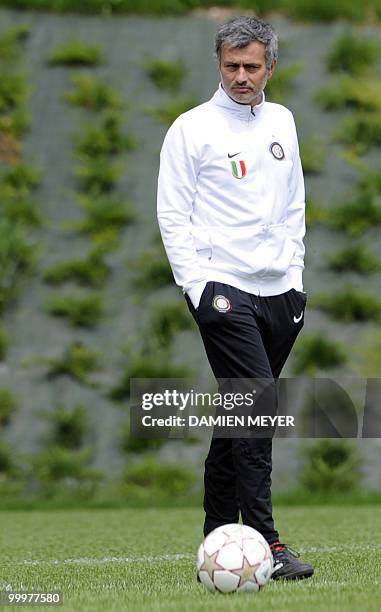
234	558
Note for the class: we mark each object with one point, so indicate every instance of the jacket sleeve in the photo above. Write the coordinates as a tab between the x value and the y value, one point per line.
296	227
179	163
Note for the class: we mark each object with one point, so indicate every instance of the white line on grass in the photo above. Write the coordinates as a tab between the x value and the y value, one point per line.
177	556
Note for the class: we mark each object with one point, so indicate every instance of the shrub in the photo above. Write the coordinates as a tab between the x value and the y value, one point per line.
314	352
91	271
356	216
313	154
7	464
331	466
21	209
349	305
77	361
153	479
105	213
147	365
10	42
327	11
166	75
8	406
315	213
132	444
362	131
17	258
21	177
357	258
280	84
167	113
4	343
151	269
57	463
80	311
69	426
167	320
98	176
76	53
360	94
15	122
107	139
93	94
352	54
13	91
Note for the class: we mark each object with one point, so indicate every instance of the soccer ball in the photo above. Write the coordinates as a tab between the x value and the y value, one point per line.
234	558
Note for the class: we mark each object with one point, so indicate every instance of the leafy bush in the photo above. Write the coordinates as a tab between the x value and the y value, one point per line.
315	351
8	406
356	216
349	92
7	464
4	343
331	466
21	209
156	480
352	54
17	259
105	213
362	131
147	365
10	42
280	84
13	91
77	361
91	271
57	463
313	154
356	257
80	311
21	177
69	426
326	10
349	305
98	176
132	444
315	213
167	113
93	94
108	139
15	122
151	269
167	320
76	53
166	75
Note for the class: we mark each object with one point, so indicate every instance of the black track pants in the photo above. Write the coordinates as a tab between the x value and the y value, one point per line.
245	336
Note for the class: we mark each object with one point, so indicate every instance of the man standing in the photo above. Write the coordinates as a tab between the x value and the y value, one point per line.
231	212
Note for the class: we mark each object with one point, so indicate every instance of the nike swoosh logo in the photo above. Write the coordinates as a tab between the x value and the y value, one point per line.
297	319
234	154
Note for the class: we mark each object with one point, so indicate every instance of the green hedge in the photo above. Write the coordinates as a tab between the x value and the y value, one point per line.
306	10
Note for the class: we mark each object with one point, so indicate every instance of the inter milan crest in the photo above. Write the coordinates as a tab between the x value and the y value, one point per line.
238	168
276	150
221	303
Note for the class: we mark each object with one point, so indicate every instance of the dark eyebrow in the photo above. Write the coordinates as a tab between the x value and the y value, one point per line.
232	63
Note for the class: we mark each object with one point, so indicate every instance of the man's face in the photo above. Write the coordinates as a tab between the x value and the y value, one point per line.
243	72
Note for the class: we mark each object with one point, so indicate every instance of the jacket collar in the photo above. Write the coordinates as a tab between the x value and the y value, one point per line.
242	111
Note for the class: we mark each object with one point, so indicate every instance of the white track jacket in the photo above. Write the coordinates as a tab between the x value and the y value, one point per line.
231	198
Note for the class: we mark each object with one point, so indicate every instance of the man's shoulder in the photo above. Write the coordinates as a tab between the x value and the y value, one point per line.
197	114
278	109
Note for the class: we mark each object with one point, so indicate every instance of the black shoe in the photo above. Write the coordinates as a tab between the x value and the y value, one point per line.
287	565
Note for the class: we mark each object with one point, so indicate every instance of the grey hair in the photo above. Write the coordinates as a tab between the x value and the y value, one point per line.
239	32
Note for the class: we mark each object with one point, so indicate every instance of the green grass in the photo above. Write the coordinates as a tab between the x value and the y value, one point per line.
113	560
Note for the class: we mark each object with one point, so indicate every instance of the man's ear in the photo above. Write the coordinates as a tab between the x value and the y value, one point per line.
271	70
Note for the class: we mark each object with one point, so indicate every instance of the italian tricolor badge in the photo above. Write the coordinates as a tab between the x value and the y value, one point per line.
238	168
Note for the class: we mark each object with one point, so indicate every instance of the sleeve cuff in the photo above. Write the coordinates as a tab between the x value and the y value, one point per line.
195	293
